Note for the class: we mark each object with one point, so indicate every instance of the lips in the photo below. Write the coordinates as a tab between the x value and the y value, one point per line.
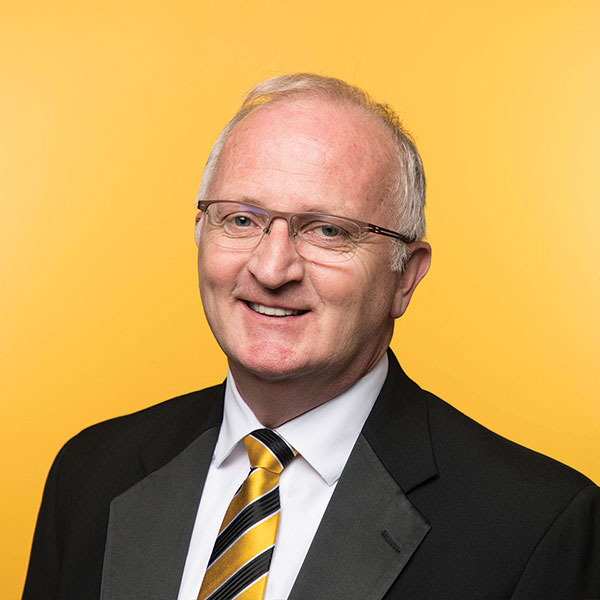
274	311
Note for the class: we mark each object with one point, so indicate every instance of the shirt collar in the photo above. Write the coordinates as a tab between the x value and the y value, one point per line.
324	436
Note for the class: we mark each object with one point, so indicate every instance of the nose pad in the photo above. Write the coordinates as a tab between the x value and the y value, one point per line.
291	232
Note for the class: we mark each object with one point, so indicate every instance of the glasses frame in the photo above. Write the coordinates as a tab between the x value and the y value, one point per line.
363	226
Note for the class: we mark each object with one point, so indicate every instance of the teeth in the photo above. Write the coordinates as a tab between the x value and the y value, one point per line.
273	311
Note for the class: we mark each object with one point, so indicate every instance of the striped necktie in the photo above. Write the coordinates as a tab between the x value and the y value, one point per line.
239	564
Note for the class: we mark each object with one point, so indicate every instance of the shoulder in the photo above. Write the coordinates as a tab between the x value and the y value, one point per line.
461	451
541	517
90	471
143	424
491	486
450	463
462	445
182	415
113	449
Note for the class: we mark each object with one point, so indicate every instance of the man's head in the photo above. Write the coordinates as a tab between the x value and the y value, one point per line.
309	151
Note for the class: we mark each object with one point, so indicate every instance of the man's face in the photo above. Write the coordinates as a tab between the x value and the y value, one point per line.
299	156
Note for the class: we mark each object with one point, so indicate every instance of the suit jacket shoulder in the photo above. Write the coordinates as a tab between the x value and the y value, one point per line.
90	471
493	505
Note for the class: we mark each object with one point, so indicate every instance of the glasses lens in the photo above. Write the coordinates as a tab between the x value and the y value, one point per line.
325	238
234	225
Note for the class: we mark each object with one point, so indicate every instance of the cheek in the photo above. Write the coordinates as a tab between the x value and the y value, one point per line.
334	285
216	269
214	289
345	297
350	284
358	298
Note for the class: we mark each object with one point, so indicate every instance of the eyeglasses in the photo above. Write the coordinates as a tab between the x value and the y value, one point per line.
318	237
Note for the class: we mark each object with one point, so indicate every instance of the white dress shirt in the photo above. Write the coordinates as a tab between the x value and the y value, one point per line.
323	437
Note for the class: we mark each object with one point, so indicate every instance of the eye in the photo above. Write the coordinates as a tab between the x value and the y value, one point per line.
326	234
329	231
238	219
241	223
241	220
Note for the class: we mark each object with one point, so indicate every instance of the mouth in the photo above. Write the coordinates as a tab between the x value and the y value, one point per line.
274	311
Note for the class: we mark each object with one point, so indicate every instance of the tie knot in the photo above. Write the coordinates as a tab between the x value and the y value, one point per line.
268	450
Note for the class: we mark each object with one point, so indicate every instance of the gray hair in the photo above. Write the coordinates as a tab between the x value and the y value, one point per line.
407	190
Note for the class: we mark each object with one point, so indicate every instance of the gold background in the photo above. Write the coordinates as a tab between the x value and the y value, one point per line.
107	113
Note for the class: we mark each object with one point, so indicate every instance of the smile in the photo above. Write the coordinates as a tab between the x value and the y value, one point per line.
274	311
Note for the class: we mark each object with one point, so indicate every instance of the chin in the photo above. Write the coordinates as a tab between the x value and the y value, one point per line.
271	362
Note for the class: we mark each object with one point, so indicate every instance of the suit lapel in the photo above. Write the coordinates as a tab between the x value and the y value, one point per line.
370	529
150	526
398	429
367	535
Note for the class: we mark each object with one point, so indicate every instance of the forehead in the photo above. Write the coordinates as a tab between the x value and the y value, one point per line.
308	154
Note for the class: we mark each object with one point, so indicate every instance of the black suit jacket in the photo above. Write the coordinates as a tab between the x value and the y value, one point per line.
430	505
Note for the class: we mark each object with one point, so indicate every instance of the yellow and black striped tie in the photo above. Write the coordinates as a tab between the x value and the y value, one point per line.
239	564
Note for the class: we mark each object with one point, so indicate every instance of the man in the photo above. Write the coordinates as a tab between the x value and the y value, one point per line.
309	247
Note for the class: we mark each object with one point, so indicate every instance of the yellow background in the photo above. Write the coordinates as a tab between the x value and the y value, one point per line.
107	113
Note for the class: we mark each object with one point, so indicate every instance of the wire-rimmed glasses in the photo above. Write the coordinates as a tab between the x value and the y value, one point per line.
318	237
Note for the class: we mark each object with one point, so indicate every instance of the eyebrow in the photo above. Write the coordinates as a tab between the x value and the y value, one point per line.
259	204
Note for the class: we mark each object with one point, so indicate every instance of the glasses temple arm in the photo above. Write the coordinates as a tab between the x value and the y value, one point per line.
388	233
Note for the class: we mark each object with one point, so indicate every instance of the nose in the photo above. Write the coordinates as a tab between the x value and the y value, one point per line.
275	260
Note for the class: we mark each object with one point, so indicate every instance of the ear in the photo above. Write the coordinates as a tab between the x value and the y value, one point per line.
198	228
415	268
